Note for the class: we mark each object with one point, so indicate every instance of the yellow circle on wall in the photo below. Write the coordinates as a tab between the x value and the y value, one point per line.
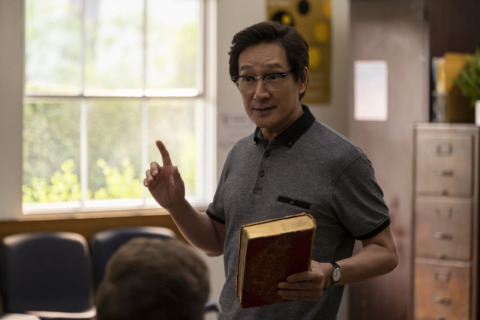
321	32
287	19
315	57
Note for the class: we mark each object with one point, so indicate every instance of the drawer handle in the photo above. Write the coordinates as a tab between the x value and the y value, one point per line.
444	173
442	276
440	300
444	214
442	256
442	236
445	149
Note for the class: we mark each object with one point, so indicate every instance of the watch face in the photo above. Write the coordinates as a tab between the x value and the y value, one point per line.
336	274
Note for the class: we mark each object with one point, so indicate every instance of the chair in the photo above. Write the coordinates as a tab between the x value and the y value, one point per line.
105	243
47	274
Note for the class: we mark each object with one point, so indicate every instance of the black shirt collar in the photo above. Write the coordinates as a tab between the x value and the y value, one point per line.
290	135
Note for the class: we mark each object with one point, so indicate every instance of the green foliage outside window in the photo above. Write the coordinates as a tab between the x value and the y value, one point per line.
121	183
64	185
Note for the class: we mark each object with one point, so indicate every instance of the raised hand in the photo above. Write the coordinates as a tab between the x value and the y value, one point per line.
164	182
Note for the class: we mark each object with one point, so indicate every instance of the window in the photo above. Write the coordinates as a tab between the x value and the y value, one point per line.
104	79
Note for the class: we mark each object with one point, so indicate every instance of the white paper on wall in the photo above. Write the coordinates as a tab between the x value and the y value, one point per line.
232	126
370	90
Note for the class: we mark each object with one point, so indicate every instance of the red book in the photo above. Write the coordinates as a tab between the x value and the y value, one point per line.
269	251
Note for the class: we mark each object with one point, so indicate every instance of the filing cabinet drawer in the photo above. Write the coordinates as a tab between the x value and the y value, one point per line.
442	290
444	165
443	228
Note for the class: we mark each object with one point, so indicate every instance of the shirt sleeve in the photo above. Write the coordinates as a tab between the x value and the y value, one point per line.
358	201
216	209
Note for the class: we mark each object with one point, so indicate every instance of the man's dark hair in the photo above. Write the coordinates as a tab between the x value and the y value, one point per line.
272	32
153	279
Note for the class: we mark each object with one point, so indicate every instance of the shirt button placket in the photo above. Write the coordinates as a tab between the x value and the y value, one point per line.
262	171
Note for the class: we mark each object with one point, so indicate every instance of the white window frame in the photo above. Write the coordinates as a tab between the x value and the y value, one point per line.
206	133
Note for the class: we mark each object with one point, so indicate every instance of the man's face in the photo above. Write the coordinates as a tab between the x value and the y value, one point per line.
271	108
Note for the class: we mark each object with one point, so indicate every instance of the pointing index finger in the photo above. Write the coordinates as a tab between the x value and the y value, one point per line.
164	152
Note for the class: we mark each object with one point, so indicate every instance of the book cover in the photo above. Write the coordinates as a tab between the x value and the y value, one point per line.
269	251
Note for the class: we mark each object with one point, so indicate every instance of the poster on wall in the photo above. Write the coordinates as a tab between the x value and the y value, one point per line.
313	20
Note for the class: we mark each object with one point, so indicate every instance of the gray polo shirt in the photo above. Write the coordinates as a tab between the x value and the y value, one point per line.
307	168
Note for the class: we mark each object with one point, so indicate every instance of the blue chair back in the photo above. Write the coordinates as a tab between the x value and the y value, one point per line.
105	243
46	272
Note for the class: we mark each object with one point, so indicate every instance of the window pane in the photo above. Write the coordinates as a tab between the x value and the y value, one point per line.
114	41
51	152
53	54
174	61
175	123
115	168
87	150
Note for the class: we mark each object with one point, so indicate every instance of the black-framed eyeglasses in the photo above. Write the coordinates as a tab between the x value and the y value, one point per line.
271	81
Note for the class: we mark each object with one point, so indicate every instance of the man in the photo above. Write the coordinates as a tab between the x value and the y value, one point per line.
291	164
153	279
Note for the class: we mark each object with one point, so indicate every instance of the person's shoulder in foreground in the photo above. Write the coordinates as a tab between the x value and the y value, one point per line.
151	278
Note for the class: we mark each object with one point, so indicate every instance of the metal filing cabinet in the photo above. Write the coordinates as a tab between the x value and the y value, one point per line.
445	221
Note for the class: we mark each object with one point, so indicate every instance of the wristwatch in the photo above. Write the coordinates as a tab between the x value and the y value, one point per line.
336	273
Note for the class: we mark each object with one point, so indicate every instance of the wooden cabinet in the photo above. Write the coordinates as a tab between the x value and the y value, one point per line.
446	233
442	289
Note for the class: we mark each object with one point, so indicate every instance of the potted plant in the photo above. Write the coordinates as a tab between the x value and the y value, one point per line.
469	82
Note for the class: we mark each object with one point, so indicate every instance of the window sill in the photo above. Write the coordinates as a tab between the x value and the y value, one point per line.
89	222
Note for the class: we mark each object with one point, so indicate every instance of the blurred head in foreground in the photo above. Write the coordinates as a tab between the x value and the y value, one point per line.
153	279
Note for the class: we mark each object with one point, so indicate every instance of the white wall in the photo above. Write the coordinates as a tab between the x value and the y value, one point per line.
11	92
